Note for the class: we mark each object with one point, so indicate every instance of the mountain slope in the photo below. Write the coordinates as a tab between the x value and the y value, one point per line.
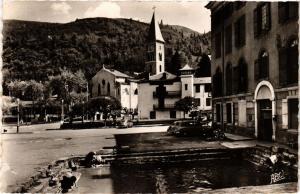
36	50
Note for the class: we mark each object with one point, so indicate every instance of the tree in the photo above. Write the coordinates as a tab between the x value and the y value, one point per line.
186	104
34	91
67	82
178	59
204	67
104	104
17	88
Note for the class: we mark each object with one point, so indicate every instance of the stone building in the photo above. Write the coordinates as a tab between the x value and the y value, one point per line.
255	68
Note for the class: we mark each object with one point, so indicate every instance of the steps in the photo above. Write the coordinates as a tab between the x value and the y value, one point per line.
168	156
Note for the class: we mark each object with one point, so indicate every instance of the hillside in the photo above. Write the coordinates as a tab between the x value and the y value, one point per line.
35	50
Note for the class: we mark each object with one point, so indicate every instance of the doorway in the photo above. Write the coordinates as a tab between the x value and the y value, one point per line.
265	129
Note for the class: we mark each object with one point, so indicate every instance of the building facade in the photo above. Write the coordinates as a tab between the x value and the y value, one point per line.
255	68
108	82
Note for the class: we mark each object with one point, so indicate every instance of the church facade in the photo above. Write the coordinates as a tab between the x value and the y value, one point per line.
154	96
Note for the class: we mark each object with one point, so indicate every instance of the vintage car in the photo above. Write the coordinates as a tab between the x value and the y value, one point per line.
201	129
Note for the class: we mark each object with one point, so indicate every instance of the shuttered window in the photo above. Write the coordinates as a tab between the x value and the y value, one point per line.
293	10
287	11
242	76
288	63
283	66
240	32
218	45
262	66
262	19
217	83
293	66
228	39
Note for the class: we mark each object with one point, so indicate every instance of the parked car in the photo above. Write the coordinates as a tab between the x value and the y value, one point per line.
195	128
124	124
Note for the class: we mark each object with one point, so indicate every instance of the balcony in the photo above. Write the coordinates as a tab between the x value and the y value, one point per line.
170	94
165	107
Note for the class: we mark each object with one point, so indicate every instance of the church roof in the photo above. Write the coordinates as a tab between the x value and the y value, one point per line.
154	33
116	72
163	76
186	67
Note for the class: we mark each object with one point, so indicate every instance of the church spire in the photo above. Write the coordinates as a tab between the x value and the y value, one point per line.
155	63
154	33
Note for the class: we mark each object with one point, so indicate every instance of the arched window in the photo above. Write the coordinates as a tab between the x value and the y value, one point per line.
103	82
159	68
136	91
262	66
229	79
108	88
99	89
292	64
160	57
217	83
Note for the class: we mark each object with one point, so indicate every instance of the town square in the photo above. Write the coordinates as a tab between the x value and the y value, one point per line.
149	97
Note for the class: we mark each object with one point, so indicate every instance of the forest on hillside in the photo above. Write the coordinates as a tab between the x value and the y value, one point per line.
37	50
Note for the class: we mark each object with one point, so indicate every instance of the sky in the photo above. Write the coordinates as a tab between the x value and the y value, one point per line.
191	14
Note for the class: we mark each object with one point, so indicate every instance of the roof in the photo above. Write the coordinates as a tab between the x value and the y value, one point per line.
163	76
154	33
115	72
186	67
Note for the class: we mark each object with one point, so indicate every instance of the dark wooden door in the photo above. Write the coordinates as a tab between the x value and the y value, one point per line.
265	130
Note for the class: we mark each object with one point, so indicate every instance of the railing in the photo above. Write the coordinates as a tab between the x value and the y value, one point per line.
165	107
169	94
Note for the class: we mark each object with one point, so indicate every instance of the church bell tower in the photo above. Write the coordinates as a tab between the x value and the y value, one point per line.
155	59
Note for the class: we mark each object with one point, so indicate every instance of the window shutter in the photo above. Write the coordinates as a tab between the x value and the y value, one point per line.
243	31
243	77
268	16
236	34
256	69
293	10
292	62
255	22
281	12
282	66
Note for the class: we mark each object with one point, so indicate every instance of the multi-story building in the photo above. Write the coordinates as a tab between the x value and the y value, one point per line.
255	68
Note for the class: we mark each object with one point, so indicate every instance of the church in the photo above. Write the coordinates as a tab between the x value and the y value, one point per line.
154	96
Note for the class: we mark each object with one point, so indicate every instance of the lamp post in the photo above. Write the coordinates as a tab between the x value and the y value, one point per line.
62	111
18	122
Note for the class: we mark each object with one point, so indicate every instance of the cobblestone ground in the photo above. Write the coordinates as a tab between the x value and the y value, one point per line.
34	147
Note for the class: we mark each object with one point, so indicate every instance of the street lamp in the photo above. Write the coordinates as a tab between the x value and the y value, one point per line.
62	111
18	122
